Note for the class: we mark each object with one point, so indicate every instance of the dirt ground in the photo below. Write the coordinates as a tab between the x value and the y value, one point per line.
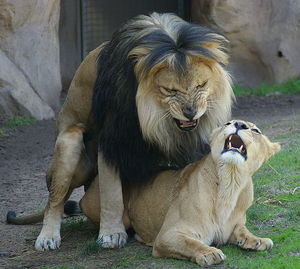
25	155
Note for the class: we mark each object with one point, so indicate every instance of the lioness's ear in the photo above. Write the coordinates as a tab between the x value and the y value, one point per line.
274	148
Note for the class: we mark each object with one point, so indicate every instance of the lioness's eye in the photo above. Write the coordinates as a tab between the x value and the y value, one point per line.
256	131
202	85
228	123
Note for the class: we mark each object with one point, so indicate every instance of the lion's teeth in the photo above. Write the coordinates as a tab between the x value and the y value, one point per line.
230	138
229	145
241	148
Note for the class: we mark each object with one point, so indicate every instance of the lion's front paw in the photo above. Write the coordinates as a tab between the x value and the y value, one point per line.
255	243
210	257
116	240
47	243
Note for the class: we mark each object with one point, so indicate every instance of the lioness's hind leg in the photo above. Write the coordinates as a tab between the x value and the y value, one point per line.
68	149
246	240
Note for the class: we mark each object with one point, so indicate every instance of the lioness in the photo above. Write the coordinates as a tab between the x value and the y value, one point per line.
207	204
143	102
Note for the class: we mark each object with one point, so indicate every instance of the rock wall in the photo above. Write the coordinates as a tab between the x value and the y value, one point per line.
69	40
30	80
264	36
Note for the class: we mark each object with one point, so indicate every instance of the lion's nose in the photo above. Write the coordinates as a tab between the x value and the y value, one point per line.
189	112
240	125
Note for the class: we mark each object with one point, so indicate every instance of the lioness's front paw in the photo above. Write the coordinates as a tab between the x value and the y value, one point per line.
214	256
47	243
116	240
255	243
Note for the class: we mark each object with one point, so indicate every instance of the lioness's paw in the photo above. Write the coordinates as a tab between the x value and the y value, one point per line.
214	256
116	240
255	243
46	243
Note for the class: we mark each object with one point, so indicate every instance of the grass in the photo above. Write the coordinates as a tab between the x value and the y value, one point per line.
288	87
13	122
61	267
91	248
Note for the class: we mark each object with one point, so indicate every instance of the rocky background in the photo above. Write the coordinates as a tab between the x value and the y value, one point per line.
30	82
264	36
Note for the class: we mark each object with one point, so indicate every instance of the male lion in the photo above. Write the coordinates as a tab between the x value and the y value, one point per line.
183	212
149	97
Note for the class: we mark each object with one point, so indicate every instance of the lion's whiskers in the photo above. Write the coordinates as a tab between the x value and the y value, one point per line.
165	115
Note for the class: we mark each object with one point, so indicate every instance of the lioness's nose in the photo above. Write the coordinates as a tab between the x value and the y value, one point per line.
240	125
189	112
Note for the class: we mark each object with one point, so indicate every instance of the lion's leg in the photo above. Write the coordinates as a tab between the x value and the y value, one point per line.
68	148
245	239
181	245
112	232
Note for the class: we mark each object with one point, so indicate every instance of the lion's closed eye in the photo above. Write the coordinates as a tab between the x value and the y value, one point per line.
200	86
166	91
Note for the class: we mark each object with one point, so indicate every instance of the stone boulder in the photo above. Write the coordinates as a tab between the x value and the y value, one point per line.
264	36
30	80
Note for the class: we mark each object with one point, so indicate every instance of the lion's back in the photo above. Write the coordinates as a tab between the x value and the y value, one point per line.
77	106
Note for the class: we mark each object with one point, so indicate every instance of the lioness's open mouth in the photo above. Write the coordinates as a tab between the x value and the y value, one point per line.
235	143
185	125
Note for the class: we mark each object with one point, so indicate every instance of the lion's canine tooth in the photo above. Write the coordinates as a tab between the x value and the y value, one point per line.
229	145
230	138
241	148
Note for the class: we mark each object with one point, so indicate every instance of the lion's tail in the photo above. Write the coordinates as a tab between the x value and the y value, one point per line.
71	208
11	218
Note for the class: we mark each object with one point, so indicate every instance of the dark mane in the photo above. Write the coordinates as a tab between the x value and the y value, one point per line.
114	105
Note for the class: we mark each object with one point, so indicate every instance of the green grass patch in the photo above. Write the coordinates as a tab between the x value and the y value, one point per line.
13	122
61	267
288	87
91	248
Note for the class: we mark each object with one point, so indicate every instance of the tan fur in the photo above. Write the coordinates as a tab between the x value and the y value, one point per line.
182	213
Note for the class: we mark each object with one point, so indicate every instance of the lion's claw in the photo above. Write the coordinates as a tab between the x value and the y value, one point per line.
116	240
44	243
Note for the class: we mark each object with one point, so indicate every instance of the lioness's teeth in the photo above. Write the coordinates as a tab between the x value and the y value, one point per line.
241	148
229	145
230	137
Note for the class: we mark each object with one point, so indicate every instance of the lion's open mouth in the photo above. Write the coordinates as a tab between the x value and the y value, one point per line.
186	125
235	144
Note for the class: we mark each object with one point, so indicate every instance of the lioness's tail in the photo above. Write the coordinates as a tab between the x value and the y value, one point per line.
71	208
